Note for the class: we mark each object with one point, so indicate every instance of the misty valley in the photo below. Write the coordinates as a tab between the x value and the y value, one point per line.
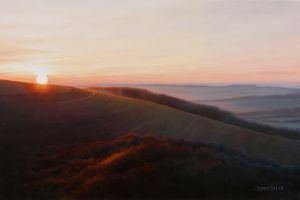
270	105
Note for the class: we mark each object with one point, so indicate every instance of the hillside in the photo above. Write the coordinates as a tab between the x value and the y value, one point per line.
12	93
238	99
34	119
133	166
104	114
208	111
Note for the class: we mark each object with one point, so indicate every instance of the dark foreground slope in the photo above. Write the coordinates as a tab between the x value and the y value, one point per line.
35	122
138	167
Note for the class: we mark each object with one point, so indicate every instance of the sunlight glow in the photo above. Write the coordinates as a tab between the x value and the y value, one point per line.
42	79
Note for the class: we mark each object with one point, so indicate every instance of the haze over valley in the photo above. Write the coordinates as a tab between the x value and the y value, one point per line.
270	105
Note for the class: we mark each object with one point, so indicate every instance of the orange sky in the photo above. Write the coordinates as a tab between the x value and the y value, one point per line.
140	41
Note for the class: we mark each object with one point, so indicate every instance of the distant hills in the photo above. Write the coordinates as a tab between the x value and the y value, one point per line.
274	110
265	103
206	93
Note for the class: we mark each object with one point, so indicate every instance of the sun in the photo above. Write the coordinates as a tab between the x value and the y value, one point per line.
42	79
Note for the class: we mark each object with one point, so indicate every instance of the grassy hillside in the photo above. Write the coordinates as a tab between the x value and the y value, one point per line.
104	114
33	119
203	110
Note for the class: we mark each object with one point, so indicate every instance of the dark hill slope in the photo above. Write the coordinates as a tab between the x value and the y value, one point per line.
133	166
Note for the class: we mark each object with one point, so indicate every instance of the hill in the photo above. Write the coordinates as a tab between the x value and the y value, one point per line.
12	93
208	111
37	119
245	101
103	114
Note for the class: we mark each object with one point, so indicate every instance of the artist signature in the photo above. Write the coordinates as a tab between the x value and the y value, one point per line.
269	188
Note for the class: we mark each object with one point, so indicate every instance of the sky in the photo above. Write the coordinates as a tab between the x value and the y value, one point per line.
150	41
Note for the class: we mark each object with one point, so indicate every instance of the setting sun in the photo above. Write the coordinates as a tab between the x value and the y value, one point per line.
42	79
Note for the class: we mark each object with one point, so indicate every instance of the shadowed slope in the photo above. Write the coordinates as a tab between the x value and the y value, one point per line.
134	166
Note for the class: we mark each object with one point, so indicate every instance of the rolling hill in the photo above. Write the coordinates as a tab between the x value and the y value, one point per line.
35	118
211	112
238	99
104	114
